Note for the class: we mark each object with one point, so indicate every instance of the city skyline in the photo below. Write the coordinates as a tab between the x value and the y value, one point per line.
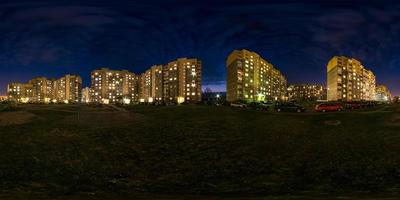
297	38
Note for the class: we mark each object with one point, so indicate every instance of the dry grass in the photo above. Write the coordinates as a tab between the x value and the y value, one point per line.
102	119
15	118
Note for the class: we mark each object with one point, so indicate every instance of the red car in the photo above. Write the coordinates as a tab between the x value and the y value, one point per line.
324	107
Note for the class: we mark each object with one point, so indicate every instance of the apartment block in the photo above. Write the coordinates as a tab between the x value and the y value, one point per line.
112	86
42	90
145	82
348	80
68	89
182	80
157	82
383	94
85	95
305	92
19	92
252	78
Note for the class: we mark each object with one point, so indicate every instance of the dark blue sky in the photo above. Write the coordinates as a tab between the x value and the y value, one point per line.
51	38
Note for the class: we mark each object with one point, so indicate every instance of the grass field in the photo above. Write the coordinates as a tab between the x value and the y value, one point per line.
64	149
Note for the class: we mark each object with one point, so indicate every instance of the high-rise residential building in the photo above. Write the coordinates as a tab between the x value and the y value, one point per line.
383	93
157	82
42	90
252	78
68	89
182	80
19	92
111	86
305	92
145	87
348	80
151	84
86	95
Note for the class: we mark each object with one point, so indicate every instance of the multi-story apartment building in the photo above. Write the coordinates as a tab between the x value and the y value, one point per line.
383	93
85	95
68	89
182	80
252	78
157	82
305	92
42	90
145	87
151	84
19	92
111	86
348	80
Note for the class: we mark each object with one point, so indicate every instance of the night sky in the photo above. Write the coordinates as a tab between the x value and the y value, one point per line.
55	37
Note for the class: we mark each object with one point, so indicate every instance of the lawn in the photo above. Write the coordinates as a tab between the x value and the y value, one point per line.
64	149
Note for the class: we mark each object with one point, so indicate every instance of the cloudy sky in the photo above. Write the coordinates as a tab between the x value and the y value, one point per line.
51	38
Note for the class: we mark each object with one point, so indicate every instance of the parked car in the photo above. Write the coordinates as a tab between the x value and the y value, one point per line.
325	107
269	105
368	104
289	107
170	104
238	105
260	106
353	105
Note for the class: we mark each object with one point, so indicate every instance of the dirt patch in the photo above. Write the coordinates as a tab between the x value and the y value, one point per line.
15	118
332	122
395	120
102	119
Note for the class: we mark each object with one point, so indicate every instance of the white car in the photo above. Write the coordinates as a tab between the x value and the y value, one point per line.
238	105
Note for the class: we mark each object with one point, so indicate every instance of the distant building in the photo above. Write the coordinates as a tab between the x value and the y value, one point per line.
305	92
3	98
68	89
112	86
383	94
348	80
42	90
178	81
151	84
252	78
145	86
86	95
182	80
19	92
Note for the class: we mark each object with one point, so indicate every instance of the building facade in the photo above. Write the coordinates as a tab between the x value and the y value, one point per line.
112	86
157	82
182	80
145	87
348	80
305	92
383	94
251	78
68	89
85	95
42	90
19	92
